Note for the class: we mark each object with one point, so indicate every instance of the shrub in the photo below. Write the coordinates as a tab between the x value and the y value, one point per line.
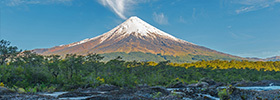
223	94
2	84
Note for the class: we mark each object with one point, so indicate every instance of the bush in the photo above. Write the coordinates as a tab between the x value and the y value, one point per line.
223	95
2	84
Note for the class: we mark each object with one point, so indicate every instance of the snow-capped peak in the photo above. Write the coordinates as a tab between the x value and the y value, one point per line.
133	25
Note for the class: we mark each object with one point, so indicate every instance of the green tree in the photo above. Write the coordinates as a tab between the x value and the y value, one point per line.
7	51
52	62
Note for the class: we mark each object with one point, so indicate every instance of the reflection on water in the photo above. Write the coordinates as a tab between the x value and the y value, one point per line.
75	98
54	94
260	88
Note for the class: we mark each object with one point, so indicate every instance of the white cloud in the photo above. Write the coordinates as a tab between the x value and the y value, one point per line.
160	18
182	19
245	9
241	36
120	7
253	5
14	2
251	2
28	2
194	13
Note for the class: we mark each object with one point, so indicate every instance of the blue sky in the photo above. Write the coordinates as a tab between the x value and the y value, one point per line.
247	28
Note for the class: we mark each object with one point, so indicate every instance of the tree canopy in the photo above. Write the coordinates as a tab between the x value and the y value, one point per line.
6	51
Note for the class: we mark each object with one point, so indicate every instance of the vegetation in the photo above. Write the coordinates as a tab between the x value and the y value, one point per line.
2	84
223	94
140	56
6	51
30	72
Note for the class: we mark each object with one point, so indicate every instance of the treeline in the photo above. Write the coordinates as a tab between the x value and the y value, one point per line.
236	64
32	72
140	56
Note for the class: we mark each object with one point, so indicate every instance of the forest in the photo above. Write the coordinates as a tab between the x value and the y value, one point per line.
140	56
31	72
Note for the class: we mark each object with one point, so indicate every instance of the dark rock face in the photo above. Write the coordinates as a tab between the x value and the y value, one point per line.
142	86
77	94
25	97
110	92
208	80
4	91
152	91
107	87
198	92
22	96
238	94
200	84
160	89
178	85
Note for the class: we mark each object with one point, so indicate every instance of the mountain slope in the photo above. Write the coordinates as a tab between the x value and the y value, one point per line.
133	35
276	58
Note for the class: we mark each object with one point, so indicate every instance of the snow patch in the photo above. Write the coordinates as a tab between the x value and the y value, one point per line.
81	42
77	43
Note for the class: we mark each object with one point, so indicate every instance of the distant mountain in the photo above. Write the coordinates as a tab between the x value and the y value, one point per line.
135	36
276	58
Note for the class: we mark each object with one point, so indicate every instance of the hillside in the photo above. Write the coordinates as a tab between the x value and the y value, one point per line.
135	35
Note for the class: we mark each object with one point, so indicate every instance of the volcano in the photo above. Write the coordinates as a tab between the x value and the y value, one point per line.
134	35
